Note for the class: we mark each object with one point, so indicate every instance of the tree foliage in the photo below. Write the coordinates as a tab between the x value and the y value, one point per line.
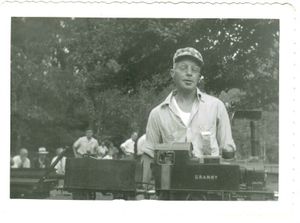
70	73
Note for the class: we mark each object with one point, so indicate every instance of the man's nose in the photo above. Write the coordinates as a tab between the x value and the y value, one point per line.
189	71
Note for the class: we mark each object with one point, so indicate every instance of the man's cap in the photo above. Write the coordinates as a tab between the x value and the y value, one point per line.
42	150
188	52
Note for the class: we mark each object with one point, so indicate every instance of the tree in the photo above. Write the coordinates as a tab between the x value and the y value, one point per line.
71	73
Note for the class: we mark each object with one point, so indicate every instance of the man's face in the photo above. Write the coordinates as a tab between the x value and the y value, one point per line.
89	133
23	153
42	156
134	136
59	151
186	74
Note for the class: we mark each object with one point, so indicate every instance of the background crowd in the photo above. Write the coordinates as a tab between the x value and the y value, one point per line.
132	148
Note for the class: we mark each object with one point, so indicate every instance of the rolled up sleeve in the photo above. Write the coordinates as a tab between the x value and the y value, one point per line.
153	134
224	135
77	143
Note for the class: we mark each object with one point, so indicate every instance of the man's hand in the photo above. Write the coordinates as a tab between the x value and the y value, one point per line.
123	150
228	149
76	154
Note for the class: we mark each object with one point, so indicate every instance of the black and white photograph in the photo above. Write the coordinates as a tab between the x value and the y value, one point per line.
149	111
144	108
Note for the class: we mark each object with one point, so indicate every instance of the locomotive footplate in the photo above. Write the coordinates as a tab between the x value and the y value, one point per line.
192	194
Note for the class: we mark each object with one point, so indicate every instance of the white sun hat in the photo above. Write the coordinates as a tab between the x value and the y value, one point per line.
42	150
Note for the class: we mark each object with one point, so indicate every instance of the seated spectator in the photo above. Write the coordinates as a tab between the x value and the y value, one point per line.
113	150
108	156
61	165
21	160
42	160
101	150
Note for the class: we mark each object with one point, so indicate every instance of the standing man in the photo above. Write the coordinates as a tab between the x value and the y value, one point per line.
128	146
21	160
85	145
187	114
42	161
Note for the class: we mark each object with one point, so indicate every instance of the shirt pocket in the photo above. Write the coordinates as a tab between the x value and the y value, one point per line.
204	127
175	135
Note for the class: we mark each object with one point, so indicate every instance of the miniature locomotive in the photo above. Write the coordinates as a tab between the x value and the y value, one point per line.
180	176
177	176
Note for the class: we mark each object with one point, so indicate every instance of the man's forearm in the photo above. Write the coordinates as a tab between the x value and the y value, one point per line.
75	151
123	149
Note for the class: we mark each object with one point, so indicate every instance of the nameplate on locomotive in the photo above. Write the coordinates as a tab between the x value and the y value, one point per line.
205	177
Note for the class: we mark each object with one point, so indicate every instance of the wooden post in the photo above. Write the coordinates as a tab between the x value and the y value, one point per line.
253	137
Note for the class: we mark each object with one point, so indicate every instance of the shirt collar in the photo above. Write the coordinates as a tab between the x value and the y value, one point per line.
167	101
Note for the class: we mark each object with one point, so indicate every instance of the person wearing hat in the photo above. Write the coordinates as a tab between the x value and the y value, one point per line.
187	114
42	161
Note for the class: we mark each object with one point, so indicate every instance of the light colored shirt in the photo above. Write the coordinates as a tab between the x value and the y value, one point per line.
107	157
19	163
101	151
141	143
185	116
60	166
208	115
128	146
83	145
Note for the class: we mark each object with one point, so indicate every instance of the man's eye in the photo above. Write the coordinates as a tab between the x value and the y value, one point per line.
182	67
195	69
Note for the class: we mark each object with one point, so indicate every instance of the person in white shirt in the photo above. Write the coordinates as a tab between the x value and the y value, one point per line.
61	165
21	160
128	146
85	145
141	145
